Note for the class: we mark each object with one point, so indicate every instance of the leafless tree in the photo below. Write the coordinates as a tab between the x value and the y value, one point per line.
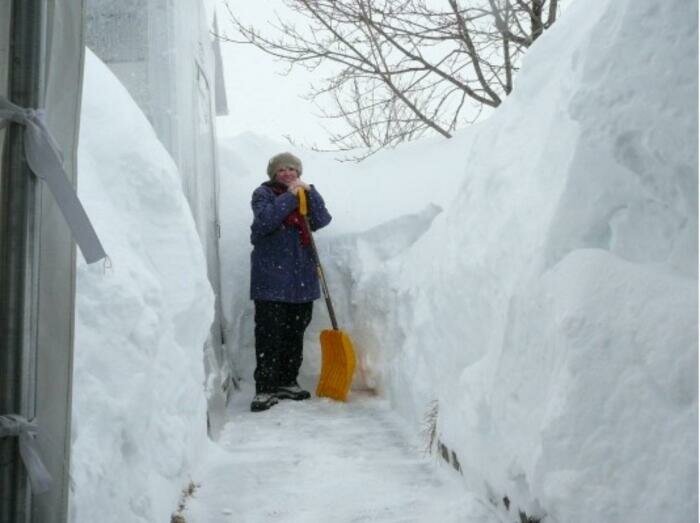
404	67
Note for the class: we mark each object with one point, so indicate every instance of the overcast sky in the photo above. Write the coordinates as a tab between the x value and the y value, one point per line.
260	98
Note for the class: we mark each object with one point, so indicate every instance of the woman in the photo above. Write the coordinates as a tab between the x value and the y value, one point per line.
283	282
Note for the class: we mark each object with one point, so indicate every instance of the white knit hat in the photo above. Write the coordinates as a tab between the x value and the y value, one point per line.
282	160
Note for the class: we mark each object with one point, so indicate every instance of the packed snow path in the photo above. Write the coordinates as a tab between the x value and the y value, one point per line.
319	460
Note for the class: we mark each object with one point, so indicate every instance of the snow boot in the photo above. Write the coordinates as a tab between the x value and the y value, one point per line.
292	392
263	401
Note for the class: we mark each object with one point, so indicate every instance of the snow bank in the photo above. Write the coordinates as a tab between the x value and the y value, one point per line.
536	275
558	327
139	410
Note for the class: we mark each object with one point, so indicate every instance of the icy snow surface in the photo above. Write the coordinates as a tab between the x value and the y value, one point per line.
536	275
139	412
319	460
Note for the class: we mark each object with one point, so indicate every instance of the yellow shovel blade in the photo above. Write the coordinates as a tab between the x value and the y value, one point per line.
337	365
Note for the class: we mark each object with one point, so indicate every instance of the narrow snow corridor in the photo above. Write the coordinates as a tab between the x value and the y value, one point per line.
320	460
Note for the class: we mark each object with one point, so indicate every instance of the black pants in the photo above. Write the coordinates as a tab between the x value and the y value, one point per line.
279	338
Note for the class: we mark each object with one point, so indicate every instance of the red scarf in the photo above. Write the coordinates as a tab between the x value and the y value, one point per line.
294	218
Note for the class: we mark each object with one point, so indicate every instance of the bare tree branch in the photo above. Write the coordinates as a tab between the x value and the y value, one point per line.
400	68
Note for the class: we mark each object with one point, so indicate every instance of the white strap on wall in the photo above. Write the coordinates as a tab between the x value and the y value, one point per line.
13	425
46	161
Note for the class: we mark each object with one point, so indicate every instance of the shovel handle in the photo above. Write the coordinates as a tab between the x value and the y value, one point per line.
303	207
304	210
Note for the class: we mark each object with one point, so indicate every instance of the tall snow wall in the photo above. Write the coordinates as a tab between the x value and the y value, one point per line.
139	407
551	310
164	54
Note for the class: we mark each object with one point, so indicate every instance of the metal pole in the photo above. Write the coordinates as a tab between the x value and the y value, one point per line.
18	262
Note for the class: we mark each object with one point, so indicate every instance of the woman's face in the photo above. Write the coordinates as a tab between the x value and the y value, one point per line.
286	175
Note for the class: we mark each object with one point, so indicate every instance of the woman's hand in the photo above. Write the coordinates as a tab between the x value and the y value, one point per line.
297	185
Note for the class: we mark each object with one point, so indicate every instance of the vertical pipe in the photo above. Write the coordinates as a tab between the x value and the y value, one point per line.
17	256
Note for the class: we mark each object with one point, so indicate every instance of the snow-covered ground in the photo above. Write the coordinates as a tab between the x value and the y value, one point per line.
321	460
535	277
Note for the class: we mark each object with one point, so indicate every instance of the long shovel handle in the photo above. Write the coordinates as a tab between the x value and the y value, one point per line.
304	211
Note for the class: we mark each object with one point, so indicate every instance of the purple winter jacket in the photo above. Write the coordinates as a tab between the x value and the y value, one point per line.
282	269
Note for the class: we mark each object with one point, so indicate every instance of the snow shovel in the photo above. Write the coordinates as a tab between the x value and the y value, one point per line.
337	353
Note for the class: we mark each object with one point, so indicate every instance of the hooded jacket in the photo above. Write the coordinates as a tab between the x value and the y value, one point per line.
282	268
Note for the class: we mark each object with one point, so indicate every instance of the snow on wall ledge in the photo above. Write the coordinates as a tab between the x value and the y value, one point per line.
139	410
557	327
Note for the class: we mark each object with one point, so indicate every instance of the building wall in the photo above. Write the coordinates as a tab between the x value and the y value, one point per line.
120	31
37	313
4	58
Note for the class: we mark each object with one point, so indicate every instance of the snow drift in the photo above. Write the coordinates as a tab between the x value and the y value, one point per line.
536	275
139	410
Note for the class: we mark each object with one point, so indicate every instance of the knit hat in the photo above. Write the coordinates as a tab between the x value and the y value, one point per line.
282	160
